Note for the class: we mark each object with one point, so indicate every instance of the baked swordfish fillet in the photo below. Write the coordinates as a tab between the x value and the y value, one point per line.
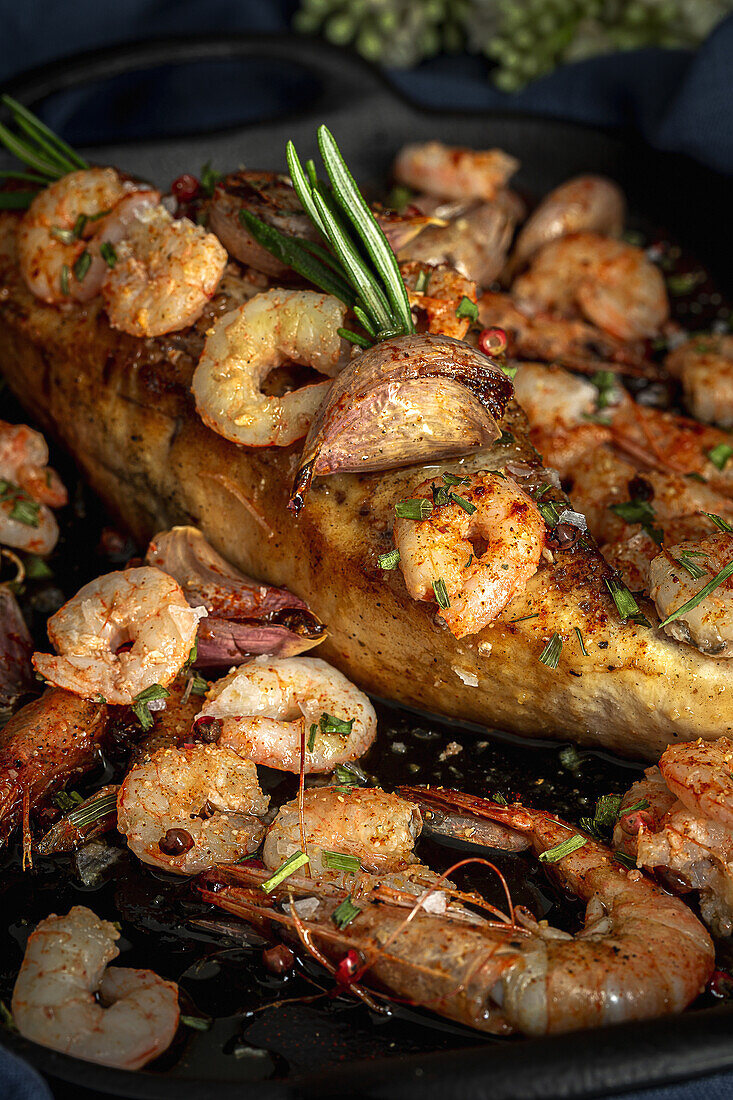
558	660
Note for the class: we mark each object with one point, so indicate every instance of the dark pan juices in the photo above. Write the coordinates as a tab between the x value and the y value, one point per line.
244	1023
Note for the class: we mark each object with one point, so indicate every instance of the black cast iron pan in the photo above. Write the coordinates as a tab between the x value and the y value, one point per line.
163	84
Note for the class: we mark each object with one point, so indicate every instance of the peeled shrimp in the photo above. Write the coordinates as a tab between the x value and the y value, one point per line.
376	827
611	283
708	625
27	487
700	774
165	272
66	220
143	606
265	705
67	999
246	344
454	173
187	808
583	204
704	365
479	583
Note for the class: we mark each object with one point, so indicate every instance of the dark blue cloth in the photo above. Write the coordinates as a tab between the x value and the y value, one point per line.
676	100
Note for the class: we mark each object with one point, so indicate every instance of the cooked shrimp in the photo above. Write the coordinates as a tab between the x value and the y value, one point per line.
474	241
589	204
571	342
704	365
25	524
63	223
378	828
265	705
246	344
165	272
700	774
67	999
611	283
709	624
143	606
454	173
559	406
187	808
24	461
442	292
483	555
640	954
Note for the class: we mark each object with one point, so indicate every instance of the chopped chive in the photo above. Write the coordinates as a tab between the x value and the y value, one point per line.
686	561
624	860
467	308
330	724
140	705
197	1023
720	454
719	522
441	593
414	508
345	913
312	736
421	283
339	861
350	775
389	561
605	817
64	279
292	864
579	635
566	848
66	800
25	511
66	236
606	383
108	253
549	513
208	179
626	605
36	569
452	479
717	580
199	686
79	226
550	655
466	505
192	656
499	799
81	266
642	804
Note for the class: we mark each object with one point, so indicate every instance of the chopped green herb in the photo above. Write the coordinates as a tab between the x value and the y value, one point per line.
719	522
64	279
626	605
414	508
686	561
549	513
550	655
81	266
421	283
552	855
717	580
199	686
36	569
292	864
192	655
330	724
345	913
606	383
198	1023
466	505
605	817
639	511
720	454
453	480
25	511
624	860
66	800
108	253
348	775
642	804
80	225
441	593
312	736
389	561
208	179
467	308
684	283
441	495
6	1017
66	236
694	476
399	197
499	799
509	371
339	861
570	758
140	705
583	650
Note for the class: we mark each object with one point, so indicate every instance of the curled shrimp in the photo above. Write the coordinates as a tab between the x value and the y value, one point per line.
483	553
143	606
61	233
582	204
709	624
452	172
186	808
245	345
700	774
66	997
28	489
611	283
266	705
165	272
377	828
704	365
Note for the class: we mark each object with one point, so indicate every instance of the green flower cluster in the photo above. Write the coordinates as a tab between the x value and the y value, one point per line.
524	38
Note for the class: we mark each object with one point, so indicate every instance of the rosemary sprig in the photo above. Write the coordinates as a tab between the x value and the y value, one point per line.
358	266
33	143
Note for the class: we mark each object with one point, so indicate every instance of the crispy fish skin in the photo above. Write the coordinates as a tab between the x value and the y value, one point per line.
122	407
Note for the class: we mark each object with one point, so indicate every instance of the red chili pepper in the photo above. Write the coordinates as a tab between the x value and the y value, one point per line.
493	341
185	188
348	967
